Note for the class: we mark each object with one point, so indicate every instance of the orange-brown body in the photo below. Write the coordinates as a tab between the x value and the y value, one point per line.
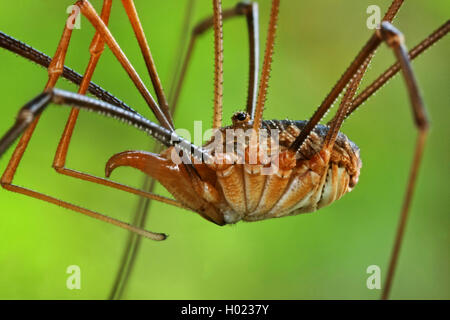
229	192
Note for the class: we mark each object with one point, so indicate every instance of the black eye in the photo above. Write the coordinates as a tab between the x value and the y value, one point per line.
241	116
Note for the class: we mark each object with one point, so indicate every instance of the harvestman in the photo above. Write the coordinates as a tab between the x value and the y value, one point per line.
316	164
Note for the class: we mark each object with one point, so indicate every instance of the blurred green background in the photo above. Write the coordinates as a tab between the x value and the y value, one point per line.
319	255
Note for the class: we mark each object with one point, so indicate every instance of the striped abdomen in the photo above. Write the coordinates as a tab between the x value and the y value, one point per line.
306	184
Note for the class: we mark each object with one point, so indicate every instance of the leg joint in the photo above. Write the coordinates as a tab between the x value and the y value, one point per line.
245	7
6	181
391	35
422	122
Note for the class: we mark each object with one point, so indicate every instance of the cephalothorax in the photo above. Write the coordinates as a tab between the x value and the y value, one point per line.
311	165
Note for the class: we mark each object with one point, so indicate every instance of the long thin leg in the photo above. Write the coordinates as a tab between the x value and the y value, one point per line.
26	51
421	123
365	53
59	161
266	68
133	244
395	40
9	43
253	38
250	10
32	110
395	68
55	70
131	250
26	120
176	75
345	105
89	12
264	83
218	64
96	49
130	9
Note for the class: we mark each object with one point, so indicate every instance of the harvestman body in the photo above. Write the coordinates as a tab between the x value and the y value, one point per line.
315	164
231	192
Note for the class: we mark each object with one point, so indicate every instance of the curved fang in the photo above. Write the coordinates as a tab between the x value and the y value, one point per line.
147	162
195	195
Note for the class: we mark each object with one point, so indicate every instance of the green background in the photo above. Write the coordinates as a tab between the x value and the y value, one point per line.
319	255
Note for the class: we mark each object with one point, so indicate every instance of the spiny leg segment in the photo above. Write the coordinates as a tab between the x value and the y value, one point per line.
96	49
89	12
434	37
266	67
351	80
9	43
131	249
56	68
365	53
29	124
218	64
250	10
27	119
396	41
